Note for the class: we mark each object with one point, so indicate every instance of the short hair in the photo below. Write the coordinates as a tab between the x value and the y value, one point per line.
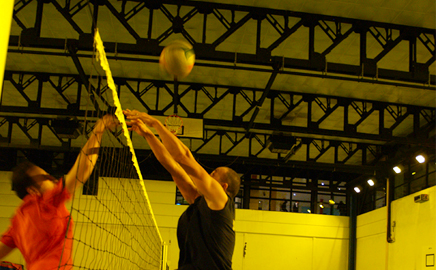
234	182
21	180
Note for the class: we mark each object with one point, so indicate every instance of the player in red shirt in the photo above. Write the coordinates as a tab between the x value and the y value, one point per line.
42	227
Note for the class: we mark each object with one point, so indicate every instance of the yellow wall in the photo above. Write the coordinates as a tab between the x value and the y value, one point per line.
272	240
6	8
414	235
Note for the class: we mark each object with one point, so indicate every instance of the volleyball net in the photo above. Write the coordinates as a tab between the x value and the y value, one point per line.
114	225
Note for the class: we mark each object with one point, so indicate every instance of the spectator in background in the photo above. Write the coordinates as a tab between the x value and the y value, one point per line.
284	207
295	207
342	207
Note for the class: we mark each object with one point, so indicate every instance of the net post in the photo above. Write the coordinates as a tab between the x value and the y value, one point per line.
6	10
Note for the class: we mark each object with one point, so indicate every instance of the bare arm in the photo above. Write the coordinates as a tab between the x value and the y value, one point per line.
87	157
4	250
212	190
180	177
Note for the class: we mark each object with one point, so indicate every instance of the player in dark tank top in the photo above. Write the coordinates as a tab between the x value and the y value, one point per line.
206	237
205	230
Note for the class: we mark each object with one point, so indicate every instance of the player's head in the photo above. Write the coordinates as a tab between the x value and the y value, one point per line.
27	178
229	179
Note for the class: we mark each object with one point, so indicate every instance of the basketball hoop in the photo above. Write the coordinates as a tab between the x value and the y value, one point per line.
174	123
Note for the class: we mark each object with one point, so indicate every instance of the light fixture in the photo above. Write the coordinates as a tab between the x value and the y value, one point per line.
321	206
279	143
413	173
67	128
357	189
370	182
308	211
294	194
322	183
331	202
397	169
420	158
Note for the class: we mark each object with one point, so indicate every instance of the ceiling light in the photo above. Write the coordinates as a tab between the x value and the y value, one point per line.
67	128
357	189
280	143
420	158
397	169
370	182
413	173
321	206
308	210
331	202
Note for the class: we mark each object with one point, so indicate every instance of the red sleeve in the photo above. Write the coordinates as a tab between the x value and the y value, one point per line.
7	238
57	195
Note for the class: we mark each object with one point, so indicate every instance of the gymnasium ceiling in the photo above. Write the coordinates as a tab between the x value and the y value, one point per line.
299	69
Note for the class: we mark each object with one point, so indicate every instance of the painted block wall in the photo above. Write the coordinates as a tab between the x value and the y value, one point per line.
269	239
264	239
414	235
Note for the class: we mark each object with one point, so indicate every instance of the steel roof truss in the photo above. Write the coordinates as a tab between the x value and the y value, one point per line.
382	32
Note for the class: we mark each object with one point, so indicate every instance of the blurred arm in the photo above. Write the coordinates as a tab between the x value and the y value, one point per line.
212	190
180	177
87	157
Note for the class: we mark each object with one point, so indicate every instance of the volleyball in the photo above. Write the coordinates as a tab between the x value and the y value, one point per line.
177	58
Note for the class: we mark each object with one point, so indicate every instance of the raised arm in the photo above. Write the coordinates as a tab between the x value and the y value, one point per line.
210	188
87	157
180	177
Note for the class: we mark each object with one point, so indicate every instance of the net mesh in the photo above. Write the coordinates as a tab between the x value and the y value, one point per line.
114	225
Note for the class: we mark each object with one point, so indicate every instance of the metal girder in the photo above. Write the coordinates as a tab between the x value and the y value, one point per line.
262	166
31	126
57	161
228	141
68	13
93	93
208	98
258	143
259	103
25	126
34	116
336	28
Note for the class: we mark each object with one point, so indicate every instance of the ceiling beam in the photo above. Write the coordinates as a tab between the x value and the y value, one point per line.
389	35
324	105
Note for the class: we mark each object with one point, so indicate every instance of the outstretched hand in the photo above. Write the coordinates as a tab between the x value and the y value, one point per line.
144	117
108	121
139	127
